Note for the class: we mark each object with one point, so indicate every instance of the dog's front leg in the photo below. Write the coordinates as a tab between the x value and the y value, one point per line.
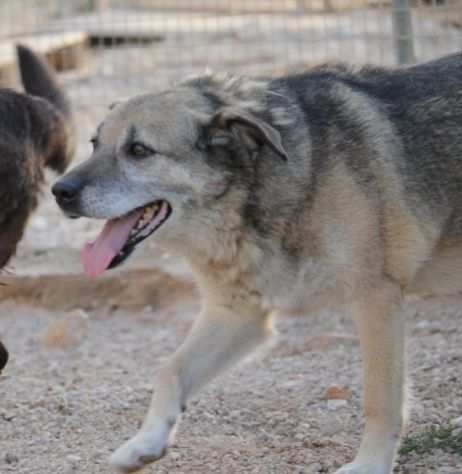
379	319
219	338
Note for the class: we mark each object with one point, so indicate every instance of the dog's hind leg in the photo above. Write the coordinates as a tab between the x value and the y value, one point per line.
219	337
379	319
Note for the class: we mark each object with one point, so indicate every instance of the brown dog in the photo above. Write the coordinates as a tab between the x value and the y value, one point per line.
35	131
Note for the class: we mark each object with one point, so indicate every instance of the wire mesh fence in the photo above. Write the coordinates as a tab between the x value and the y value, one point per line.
107	49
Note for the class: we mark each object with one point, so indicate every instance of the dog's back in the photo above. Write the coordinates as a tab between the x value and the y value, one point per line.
424	104
415	111
398	134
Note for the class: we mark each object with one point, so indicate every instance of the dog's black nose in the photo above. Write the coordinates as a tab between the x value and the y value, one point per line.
66	190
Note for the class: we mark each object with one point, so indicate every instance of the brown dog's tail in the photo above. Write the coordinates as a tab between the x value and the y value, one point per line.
3	356
54	108
39	79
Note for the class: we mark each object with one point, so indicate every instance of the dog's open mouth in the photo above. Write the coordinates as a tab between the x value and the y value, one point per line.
120	236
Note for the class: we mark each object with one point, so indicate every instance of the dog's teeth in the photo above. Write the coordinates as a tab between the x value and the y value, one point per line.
148	213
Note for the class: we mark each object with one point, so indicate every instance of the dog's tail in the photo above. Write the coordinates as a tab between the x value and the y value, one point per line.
40	80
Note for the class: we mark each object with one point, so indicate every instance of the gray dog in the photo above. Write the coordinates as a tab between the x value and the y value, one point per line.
277	191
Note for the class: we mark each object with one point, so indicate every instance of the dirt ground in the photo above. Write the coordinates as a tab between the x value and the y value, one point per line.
83	355
83	358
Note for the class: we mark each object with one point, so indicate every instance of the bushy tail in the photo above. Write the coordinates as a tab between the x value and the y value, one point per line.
38	79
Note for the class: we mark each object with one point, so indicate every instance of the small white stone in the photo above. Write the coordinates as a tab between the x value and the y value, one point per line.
335	404
314	468
73	458
174	456
457	422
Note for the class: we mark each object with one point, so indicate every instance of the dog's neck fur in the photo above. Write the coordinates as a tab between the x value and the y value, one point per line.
243	243
226	89
52	134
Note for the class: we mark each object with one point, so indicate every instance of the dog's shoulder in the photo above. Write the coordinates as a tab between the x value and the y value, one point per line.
22	128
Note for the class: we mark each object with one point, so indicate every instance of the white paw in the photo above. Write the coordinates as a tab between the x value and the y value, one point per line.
363	468
143	449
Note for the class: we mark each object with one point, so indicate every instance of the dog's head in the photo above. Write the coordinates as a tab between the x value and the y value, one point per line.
160	161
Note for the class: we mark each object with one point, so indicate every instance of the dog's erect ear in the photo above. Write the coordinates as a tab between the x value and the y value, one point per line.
50	110
230	123
40	79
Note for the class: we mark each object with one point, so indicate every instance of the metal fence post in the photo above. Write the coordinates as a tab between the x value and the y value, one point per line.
402	32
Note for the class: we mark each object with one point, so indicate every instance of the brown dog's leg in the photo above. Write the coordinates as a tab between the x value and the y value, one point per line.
3	356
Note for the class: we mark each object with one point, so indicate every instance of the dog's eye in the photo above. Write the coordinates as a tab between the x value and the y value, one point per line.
138	150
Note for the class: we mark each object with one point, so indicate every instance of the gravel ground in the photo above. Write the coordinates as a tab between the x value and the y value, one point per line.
79	383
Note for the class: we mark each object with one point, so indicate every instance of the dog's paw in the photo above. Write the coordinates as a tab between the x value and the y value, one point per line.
362	468
143	449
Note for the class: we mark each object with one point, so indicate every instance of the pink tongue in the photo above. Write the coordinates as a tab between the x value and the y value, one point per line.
96	256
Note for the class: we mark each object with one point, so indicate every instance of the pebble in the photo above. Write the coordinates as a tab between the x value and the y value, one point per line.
314	468
73	458
174	456
11	458
457	422
336	392
335	404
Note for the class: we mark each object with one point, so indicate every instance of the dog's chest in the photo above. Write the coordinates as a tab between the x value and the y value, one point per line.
291	286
